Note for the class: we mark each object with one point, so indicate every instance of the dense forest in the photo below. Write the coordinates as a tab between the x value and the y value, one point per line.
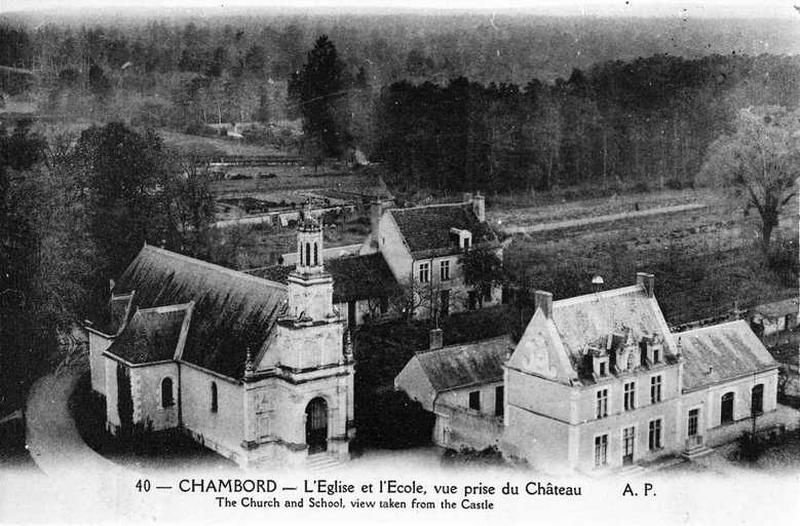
646	123
447	103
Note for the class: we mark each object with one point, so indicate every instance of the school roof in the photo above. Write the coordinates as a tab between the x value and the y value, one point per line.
722	352
232	312
151	335
555	347
467	364
354	277
426	229
779	309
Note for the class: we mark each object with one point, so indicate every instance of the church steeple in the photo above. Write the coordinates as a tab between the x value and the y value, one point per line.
309	244
310	287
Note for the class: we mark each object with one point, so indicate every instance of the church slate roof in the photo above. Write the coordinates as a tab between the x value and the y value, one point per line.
151	335
555	347
426	229
354	277
233	311
722	352
467	364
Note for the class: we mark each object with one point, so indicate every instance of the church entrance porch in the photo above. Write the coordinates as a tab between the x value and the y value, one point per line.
317	426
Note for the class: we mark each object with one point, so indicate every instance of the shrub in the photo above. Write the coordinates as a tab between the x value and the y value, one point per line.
489	456
391	420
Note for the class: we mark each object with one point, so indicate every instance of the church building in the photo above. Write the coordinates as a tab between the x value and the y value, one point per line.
261	372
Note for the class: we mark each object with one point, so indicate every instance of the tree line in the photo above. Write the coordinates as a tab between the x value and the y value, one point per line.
641	124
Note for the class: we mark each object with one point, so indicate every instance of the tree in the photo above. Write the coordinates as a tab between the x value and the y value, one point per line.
321	94
483	270
20	340
759	163
125	174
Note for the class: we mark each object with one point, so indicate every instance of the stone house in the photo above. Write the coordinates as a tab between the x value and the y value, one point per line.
599	381
462	385
424	246
259	371
774	318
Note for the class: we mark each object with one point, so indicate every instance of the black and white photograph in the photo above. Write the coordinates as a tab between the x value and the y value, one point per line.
399	262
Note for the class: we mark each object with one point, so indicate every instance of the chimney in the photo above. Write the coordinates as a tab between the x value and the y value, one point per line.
437	337
375	213
479	207
544	300
647	281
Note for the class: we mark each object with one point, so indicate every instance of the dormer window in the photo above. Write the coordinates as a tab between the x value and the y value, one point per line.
599	358
652	349
463	238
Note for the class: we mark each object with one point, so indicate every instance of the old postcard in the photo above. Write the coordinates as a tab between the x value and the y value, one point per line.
399	262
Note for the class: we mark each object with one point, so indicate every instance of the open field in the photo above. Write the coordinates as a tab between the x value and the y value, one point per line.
215	145
704	259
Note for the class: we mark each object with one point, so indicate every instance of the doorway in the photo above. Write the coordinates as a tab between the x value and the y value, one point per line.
317	426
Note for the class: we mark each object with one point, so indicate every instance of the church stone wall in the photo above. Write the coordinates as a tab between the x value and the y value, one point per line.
98	344
147	401
222	430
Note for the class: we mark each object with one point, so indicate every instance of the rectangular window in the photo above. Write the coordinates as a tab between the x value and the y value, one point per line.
656	355
444	270
600	451
424	273
475	400
654	440
602	368
655	389
694	417
628	440
499	394
602	403
629	401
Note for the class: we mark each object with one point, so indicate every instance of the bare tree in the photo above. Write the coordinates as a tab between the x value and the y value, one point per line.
759	163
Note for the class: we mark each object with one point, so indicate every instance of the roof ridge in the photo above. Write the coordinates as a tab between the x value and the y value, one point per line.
162	309
212	266
473	342
714	326
603	294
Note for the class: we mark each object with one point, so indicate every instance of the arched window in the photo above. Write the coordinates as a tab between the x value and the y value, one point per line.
167	400
726	409
214	401
757	399
308	254
316	254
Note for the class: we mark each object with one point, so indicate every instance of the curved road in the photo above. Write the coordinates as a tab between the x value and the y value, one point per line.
52	439
81	485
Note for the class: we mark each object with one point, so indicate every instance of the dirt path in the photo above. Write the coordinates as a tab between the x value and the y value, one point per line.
52	439
570	223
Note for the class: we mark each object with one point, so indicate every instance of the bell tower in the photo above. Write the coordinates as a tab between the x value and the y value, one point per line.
310	288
